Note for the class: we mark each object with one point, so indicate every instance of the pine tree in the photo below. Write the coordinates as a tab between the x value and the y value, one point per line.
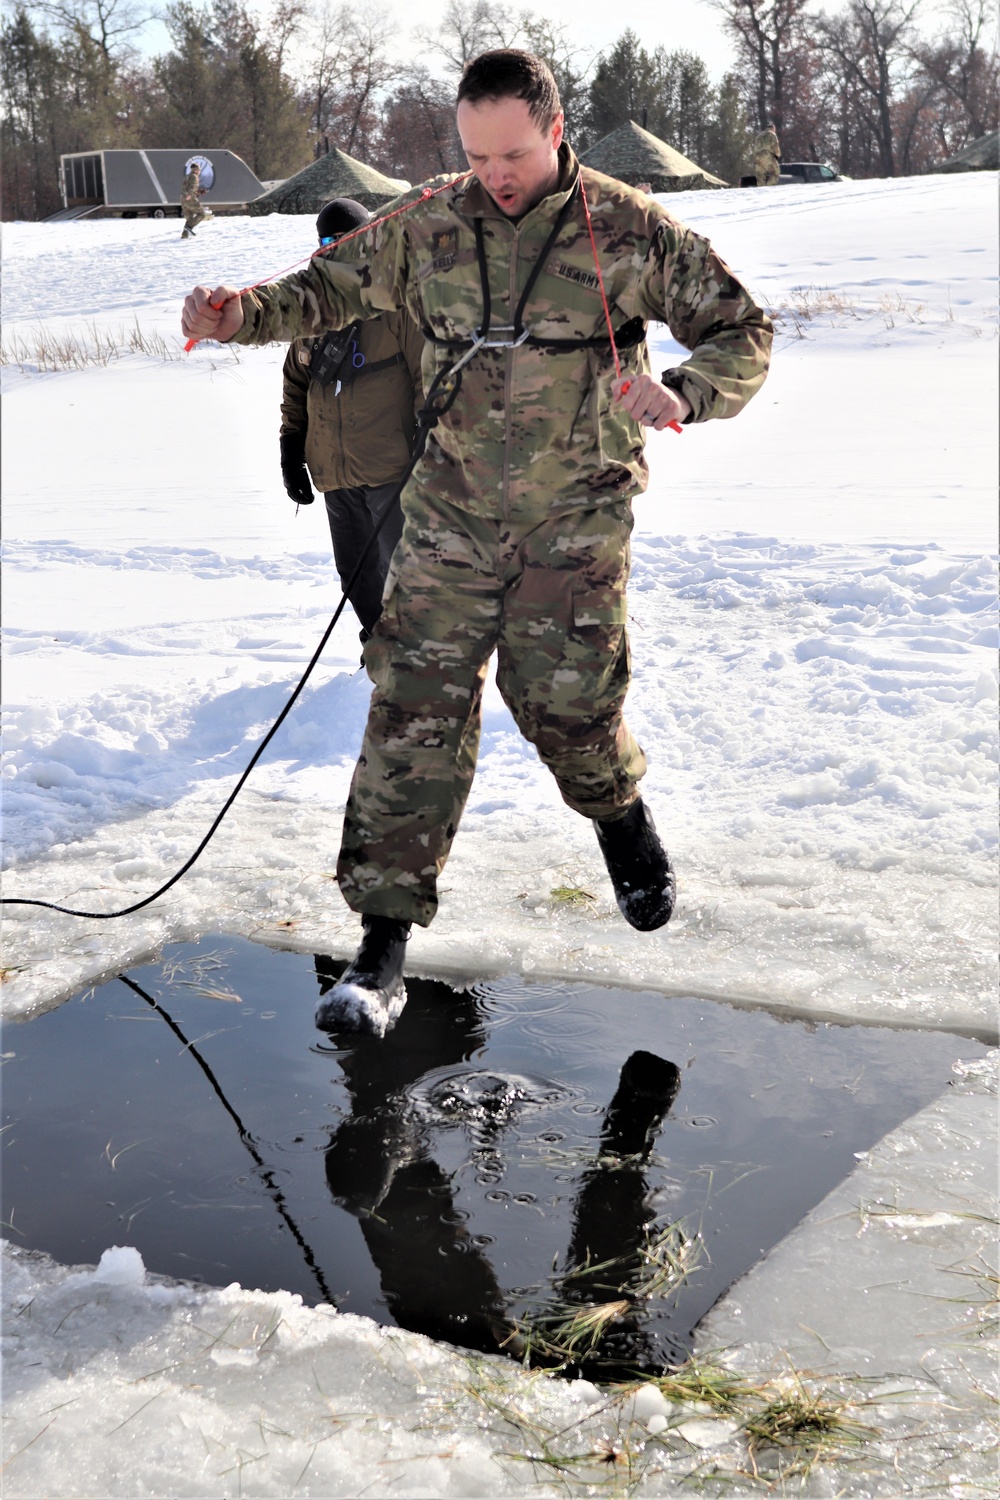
30	88
729	150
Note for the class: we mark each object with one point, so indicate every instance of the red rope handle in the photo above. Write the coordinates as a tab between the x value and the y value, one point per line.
676	426
428	192
600	283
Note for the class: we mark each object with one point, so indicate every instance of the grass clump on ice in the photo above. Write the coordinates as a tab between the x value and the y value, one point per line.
802	1427
706	1382
982	1310
571	895
780	1427
567	1333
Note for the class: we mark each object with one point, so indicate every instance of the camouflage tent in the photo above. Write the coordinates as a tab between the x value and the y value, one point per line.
633	155
979	156
335	175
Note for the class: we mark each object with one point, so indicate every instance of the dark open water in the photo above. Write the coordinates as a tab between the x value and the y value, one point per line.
463	1172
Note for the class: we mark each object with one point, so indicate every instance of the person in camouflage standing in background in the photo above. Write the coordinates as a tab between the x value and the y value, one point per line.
517	518
767	157
191	204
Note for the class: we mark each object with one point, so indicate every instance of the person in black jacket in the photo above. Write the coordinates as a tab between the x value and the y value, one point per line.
347	420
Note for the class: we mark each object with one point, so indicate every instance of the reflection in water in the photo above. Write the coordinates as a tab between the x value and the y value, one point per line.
265	1173
434	1276
612	1213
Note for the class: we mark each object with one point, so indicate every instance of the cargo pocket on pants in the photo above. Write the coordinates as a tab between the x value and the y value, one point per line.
599	617
592	676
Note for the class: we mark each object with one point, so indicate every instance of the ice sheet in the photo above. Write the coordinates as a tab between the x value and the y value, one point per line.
888	1287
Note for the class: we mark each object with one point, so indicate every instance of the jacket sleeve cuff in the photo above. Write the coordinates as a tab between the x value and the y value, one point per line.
697	392
247	332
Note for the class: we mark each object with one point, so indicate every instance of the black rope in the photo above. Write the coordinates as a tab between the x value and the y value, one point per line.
484	278
440	399
546	251
266	1172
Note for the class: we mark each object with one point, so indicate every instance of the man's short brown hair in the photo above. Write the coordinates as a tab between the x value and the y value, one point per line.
508	73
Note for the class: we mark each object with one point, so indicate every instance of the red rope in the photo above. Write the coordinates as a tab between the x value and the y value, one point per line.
600	283
675	426
428	192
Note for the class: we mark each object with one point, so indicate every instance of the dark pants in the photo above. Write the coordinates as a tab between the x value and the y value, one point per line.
353	515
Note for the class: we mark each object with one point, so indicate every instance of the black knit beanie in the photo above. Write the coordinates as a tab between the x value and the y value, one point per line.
340	216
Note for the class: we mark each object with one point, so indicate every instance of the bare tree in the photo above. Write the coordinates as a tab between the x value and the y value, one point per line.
960	67
344	72
109	25
283	26
467	28
419	138
869	44
764	31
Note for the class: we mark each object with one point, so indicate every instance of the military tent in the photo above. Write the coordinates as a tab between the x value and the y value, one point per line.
335	175
633	155
978	156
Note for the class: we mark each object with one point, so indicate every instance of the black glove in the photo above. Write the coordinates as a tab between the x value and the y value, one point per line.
294	473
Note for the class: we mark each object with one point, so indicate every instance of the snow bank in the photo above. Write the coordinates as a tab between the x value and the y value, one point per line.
820	725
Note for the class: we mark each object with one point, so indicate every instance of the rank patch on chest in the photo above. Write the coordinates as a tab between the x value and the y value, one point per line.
574	273
444	248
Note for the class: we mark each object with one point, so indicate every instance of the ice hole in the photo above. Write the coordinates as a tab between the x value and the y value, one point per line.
567	1174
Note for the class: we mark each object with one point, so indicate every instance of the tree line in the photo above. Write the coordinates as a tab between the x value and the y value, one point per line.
864	87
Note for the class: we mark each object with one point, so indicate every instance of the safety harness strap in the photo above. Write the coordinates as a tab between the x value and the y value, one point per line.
539	265
627	337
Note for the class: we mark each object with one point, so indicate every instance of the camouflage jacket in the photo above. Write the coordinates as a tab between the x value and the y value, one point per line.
765	146
364	434
534	430
191	192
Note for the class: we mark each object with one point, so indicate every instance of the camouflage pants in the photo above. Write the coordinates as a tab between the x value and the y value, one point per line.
766	170
193	212
549	598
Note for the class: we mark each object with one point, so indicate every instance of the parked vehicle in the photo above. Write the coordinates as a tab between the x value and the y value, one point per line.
147	184
809	171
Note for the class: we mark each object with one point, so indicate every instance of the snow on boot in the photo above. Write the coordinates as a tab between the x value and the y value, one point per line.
639	868
369	996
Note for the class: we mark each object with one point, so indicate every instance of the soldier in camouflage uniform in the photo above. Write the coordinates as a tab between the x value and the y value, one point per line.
767	157
191	204
517	520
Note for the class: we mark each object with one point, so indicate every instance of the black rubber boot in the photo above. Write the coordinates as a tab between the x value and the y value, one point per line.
640	870
369	996
647	1088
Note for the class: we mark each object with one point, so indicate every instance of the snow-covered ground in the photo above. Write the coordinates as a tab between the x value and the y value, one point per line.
813	615
813	629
